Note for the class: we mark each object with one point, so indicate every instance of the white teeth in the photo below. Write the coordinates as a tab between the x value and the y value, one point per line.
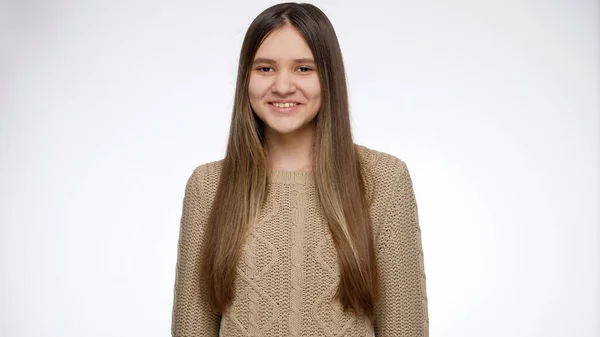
284	105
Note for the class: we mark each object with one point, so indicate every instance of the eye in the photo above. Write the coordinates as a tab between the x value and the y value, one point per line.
304	69
264	69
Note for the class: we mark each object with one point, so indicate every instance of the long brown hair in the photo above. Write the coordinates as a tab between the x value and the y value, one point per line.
338	174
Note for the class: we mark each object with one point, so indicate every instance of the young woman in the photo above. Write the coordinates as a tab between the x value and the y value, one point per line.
298	231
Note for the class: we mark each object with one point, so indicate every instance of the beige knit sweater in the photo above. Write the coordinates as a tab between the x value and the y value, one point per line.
288	270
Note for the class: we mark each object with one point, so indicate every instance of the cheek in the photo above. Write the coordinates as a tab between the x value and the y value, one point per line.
257	87
313	89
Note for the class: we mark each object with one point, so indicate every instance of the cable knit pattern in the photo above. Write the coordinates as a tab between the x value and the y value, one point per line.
298	202
250	281
288	272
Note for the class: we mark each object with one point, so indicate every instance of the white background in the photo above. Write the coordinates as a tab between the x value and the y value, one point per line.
107	107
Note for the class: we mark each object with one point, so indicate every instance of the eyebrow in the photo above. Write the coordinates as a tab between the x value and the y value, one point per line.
271	61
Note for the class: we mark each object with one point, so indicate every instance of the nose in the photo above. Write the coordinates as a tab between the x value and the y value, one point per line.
283	84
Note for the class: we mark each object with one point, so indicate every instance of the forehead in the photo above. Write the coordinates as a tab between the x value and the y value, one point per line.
284	44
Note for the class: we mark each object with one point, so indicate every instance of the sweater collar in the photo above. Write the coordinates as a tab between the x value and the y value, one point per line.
291	177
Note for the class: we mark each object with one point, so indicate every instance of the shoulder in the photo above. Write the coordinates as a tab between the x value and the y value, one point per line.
380	167
387	180
389	186
206	176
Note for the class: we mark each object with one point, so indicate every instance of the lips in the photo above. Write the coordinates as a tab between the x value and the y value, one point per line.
284	106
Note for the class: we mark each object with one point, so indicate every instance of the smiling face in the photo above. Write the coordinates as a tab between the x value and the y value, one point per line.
284	87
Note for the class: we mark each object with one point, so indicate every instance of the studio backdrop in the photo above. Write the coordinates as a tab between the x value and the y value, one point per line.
106	107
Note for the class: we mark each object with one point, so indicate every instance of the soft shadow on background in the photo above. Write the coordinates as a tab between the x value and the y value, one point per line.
107	107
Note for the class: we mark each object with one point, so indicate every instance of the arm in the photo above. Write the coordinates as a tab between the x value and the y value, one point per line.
192	316
402	310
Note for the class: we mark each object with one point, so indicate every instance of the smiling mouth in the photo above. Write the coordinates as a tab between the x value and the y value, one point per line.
284	105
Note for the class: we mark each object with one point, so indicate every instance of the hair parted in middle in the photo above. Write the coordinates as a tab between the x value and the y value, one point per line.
339	180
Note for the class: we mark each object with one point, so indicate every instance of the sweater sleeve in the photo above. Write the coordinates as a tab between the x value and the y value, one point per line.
192	316
402	310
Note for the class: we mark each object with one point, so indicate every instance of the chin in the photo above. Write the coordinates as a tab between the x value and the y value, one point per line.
285	129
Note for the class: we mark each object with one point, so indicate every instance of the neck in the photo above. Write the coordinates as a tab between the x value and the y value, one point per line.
291	152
